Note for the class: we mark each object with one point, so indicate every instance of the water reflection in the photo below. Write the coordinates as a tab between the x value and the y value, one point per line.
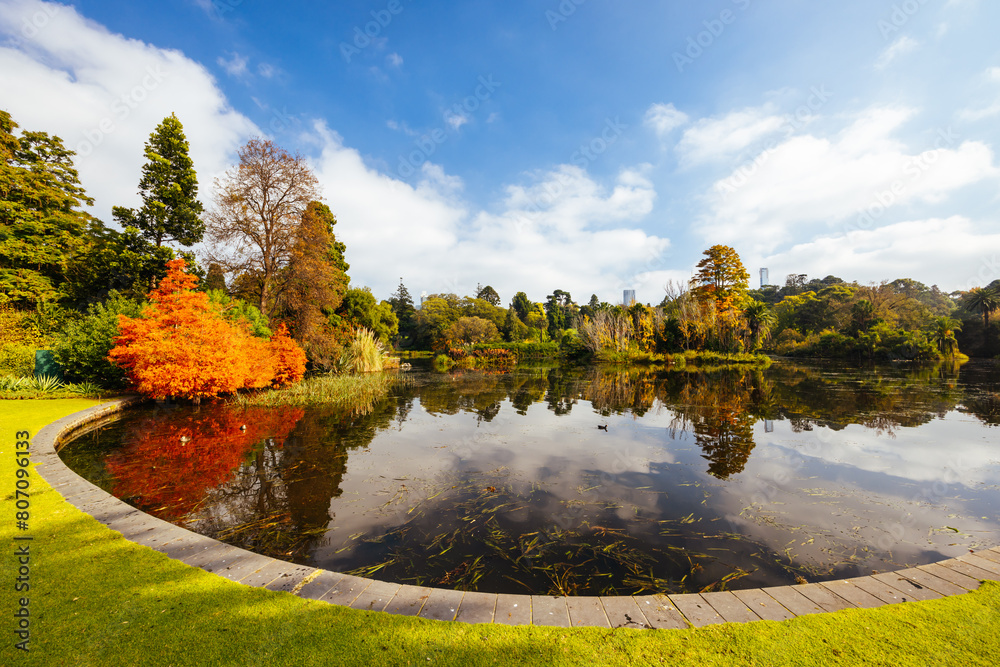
503	482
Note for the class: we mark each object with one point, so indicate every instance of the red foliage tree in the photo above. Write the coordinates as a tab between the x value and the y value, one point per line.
289	358
182	346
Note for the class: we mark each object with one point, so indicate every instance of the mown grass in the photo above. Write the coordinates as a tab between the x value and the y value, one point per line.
354	393
98	599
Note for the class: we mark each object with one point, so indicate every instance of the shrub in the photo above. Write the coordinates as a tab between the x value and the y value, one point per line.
289	358
364	354
17	360
82	348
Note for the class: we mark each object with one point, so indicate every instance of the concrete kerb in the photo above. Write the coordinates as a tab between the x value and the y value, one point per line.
949	577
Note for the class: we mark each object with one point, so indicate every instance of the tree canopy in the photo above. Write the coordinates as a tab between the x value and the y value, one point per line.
259	205
170	209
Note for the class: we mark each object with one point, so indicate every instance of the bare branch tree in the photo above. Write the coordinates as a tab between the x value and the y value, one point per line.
258	206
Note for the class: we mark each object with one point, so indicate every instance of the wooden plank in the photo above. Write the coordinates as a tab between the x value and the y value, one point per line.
587	612
624	612
792	600
880	589
931	582
764	605
696	609
513	610
856	595
730	607
957	578
989	554
477	608
982	563
660	612
966	569
823	597
912	590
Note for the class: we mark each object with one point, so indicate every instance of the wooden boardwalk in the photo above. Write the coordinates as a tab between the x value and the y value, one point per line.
926	582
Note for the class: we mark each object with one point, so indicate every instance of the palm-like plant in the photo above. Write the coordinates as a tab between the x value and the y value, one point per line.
942	332
983	300
760	318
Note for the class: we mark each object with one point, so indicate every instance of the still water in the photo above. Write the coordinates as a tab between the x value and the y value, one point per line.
586	480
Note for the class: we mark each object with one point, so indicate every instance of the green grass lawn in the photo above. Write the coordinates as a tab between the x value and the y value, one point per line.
98	599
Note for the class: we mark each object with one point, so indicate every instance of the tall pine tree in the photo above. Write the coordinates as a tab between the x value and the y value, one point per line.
169	189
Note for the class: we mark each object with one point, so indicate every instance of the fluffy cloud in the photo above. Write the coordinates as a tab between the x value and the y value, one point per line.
900	47
559	231
235	64
726	137
931	250
104	94
664	118
861	177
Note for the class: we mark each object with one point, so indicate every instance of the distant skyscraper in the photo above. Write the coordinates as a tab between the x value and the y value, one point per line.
763	278
628	297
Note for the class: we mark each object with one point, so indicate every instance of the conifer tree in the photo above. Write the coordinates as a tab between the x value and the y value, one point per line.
170	209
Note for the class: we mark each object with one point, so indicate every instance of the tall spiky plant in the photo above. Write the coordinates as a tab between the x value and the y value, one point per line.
364	354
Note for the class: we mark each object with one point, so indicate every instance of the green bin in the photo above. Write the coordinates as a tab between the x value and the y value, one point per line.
45	364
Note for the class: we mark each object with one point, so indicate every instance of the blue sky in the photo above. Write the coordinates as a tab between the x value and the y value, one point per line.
588	146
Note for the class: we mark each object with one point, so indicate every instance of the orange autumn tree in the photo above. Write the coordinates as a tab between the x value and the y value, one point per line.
182	347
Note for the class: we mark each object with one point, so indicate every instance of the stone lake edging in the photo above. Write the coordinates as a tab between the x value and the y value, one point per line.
926	582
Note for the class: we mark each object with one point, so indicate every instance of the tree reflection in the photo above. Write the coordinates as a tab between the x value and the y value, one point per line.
173	460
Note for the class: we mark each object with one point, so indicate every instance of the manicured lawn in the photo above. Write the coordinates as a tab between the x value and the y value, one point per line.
97	599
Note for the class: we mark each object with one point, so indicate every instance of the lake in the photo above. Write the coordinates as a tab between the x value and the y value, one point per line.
586	480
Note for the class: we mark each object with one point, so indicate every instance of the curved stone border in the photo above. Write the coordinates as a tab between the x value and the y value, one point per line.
927	582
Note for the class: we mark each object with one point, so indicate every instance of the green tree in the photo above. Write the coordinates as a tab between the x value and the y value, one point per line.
42	226
170	209
522	306
942	333
402	305
82	347
489	295
469	330
359	309
760	318
982	300
557	312
721	278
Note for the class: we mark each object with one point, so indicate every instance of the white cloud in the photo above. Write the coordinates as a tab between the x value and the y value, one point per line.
559	231
664	118
267	71
456	119
235	65
394	59
723	138
900	47
810	181
104	94
954	253
992	75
